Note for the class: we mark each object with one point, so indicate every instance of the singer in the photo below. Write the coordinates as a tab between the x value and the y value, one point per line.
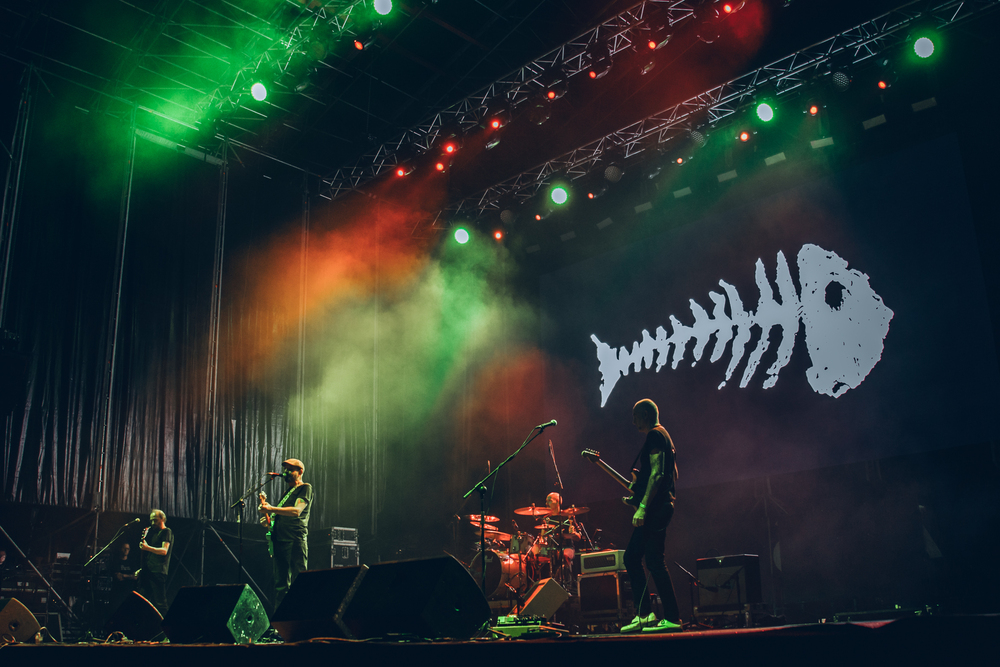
155	546
655	482
290	529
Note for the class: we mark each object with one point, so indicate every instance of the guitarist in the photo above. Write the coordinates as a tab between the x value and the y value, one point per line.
290	529
654	490
155	546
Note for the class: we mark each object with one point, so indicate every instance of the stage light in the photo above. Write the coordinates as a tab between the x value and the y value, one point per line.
765	112
813	109
559	195
462	235
259	91
498	235
679	160
403	170
743	136
923	47
383	7
440	166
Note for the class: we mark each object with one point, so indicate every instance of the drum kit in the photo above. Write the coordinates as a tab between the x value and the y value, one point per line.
515	560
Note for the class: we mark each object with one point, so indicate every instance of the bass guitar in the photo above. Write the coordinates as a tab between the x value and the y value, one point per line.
267	520
635	490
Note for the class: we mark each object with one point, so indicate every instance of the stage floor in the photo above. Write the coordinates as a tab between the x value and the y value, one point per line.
917	640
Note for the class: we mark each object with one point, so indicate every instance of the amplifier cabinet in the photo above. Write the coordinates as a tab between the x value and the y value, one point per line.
602	561
605	595
729	584
340	542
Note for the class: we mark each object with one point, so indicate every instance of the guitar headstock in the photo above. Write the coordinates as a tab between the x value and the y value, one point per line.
591	455
262	496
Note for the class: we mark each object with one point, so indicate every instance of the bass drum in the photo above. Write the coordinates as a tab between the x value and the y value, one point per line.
501	571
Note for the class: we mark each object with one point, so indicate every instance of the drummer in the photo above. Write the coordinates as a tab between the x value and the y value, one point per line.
562	529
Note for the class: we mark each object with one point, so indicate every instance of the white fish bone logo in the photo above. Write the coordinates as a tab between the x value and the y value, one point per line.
845	325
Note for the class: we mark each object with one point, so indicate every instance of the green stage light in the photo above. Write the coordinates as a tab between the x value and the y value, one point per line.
259	91
923	47
462	236
559	195
383	7
765	112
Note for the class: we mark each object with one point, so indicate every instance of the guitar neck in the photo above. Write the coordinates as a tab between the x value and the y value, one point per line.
627	484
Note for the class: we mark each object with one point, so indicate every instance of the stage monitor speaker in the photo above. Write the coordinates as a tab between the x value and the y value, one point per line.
544	600
136	618
17	621
224	614
728	583
430	598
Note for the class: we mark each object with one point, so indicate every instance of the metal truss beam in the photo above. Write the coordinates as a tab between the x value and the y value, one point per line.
858	44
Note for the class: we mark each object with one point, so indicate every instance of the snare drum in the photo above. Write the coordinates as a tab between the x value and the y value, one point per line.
501	569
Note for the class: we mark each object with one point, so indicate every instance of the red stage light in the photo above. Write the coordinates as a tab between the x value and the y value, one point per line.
680	160
727	8
590	195
495	123
744	136
882	84
439	166
401	172
538	216
813	110
359	45
498	235
593	74
651	44
449	148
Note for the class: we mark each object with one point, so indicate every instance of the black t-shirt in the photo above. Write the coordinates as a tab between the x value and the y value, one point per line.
155	563
657	438
289	528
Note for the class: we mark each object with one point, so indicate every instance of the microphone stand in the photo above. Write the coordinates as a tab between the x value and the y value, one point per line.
239	506
121	531
480	486
692	585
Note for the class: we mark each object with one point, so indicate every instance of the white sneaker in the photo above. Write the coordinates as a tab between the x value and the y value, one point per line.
638	623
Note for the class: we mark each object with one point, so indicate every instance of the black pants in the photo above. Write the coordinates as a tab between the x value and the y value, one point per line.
153	587
290	558
648	543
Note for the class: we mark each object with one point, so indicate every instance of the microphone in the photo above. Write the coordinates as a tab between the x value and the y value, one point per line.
275	474
546	425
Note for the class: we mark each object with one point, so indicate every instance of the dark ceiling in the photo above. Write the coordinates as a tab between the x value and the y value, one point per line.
187	66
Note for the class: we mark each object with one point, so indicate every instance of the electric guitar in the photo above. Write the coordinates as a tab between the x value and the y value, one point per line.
142	558
635	491
267	520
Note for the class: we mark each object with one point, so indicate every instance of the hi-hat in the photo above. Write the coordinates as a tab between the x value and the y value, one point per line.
475	518
488	527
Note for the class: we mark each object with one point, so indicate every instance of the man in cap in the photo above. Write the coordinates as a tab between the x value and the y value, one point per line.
290	529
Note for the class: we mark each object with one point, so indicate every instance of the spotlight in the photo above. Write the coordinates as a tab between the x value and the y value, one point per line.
498	235
733	7
559	195
597	60
404	169
613	173
743	136
923	47
383	7
765	112
462	235
539	109
259	91
440	166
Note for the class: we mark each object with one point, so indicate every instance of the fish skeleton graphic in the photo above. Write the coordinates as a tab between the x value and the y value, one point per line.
845	325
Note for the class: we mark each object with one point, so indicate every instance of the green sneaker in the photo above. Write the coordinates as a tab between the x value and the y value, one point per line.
663	626
638	623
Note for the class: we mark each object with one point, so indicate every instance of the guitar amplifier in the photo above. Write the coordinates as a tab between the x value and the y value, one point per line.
602	561
605	595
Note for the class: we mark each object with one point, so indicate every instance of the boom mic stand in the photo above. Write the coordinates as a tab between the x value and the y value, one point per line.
480	486
693	583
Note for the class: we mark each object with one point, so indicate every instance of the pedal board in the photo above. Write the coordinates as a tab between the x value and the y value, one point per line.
527	627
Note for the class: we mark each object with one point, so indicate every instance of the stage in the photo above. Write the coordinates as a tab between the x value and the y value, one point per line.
918	640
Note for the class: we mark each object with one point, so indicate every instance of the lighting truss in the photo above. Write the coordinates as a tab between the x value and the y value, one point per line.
791	72
516	88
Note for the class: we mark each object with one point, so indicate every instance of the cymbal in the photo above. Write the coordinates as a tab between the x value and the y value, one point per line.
532	511
573	511
489	527
497	535
474	518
